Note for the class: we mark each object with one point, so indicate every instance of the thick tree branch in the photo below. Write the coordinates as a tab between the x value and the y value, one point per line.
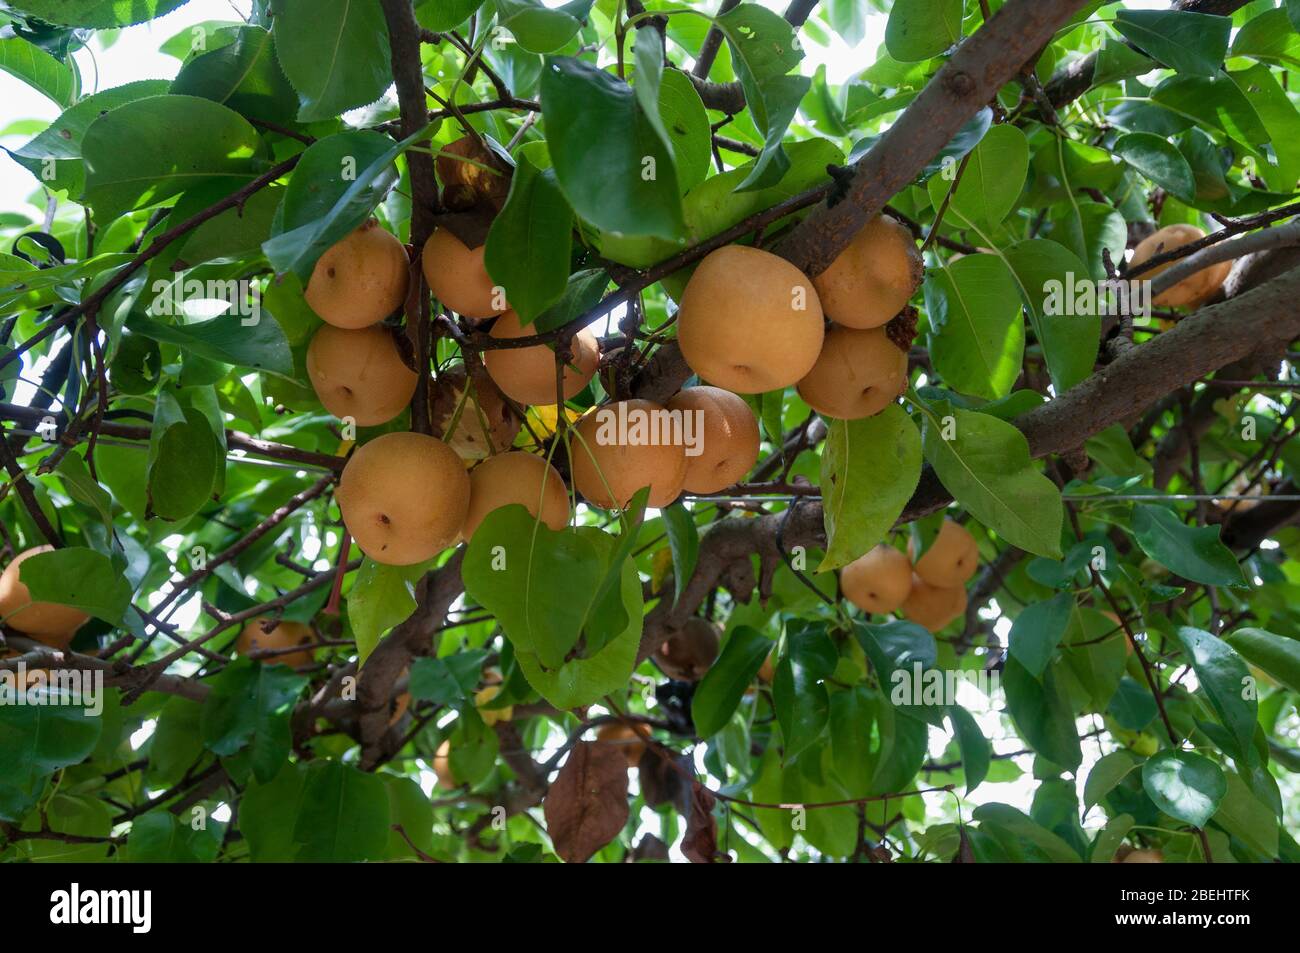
986	60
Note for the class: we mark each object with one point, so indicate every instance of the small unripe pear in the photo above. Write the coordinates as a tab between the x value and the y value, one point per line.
254	638
951	558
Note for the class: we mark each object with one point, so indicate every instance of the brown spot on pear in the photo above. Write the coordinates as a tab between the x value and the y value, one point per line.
361	279
359	374
878	581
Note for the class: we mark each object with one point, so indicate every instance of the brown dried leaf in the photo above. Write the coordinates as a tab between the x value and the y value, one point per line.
586	806
700	845
482	180
662	780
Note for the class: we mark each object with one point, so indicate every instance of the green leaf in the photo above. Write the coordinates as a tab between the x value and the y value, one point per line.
869	469
39	70
268	814
683	542
686	122
1224	678
413	811
1108	772
78	577
648	53
1069	340
987	468
895	650
218	143
1185	785
614	168
447	681
243	75
1024	828
344	815
61	141
36	741
160	837
443	15
176	745
723	686
1159	160
976	751
1042	714
1110	838
183	460
764	49
539	29
920	29
250	707
583	681
1037	632
852	717
334	52
994	177
228	339
337	183
1247	818
530	241
511	568
1193	552
100	14
977	335
1275	654
799	688
1192	43
380	598
81	486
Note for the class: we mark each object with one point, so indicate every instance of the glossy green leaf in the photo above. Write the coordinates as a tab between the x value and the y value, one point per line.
1277	655
95	13
1224	678
920	29
39	70
1185	785
683	542
344	815
1159	160
1044	271
380	598
1192	43
799	688
869	469
244	75
529	244
78	577
1193	552
977	334
1037	632
720	691
249	707
1042	714
334	52
976	751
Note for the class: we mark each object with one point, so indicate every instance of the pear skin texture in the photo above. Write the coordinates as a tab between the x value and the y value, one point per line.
359	374
858	374
749	321
689	651
609	473
527	374
631	744
874	277
952	558
46	622
442	766
286	635
932	607
458	278
878	581
729	441
1192	290
491	716
517	477
360	280
404	498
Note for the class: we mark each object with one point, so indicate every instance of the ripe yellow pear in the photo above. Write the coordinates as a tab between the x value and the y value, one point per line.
767	671
254	637
517	477
527	374
486	424
491	716
442	765
932	607
749	321
951	559
458	278
610	466
359	374
46	622
729	440
688	651
360	280
879	581
403	497
858	374
874	277
630	743
1192	290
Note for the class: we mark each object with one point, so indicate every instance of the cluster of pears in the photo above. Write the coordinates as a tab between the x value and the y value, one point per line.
930	591
1194	290
52	624
751	322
